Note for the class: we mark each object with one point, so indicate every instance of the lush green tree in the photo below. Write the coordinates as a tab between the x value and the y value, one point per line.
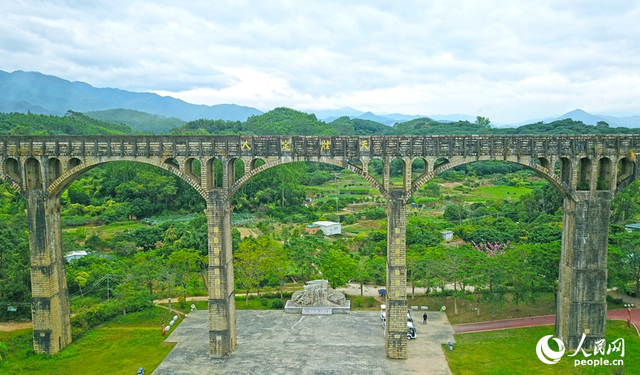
545	233
337	266
186	262
625	205
304	253
455	212
624	261
376	268
14	264
81	280
252	262
419	232
483	122
147	268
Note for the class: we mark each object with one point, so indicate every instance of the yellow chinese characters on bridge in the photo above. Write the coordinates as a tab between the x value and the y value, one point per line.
246	145
286	146
364	145
326	145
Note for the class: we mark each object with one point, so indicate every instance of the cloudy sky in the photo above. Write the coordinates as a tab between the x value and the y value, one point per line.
508	60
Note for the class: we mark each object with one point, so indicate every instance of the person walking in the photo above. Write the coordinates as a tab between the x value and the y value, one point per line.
424	318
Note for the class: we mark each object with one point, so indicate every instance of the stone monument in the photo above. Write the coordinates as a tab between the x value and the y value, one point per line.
317	299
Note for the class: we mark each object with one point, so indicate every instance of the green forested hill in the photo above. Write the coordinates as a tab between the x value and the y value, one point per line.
346	126
73	123
280	121
566	126
427	126
285	121
138	121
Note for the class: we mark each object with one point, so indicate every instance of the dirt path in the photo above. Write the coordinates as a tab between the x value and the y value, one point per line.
14	326
537	321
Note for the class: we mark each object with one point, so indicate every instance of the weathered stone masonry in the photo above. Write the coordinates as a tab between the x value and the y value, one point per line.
587	170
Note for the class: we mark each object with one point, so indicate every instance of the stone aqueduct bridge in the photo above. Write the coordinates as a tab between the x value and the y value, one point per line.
587	170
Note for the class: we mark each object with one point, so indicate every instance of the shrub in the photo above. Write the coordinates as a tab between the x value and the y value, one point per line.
182	303
277	304
614	301
357	302
264	301
370	301
102	313
375	213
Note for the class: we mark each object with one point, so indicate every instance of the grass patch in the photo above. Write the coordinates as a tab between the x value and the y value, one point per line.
112	229
500	192
513	351
467	313
118	347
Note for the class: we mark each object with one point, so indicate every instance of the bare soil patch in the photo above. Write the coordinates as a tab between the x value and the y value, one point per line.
14	326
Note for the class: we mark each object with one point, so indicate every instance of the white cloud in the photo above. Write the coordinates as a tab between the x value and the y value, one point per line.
507	60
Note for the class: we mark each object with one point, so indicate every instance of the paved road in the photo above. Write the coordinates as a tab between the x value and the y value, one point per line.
537	321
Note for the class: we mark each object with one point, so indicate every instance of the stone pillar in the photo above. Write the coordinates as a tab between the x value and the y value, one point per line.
406	174
386	176
582	281
49	294
222	301
396	320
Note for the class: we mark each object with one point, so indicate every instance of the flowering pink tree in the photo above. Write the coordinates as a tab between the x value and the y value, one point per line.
492	270
491	249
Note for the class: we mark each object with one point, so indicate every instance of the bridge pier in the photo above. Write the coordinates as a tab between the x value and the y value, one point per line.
222	301
396	319
49	294
582	281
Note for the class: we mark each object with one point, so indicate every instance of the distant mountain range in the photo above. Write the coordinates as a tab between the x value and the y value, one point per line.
591	119
387	119
39	93
35	92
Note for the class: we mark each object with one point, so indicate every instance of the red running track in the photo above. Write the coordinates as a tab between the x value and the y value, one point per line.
537	321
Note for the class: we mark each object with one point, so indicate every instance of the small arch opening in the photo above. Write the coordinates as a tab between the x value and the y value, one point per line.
214	173
172	162
440	162
11	168
562	169
604	174
74	162
625	169
418	168
235	170
193	168
356	163
397	172
33	174
543	162
54	170
255	163
584	174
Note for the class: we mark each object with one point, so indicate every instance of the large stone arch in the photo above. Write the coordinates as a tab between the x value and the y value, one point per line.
542	171
339	163
68	177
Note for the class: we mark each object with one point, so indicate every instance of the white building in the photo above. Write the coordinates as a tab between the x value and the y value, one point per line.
71	255
329	228
447	235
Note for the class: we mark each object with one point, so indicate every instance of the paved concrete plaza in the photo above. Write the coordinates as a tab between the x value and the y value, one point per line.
272	342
